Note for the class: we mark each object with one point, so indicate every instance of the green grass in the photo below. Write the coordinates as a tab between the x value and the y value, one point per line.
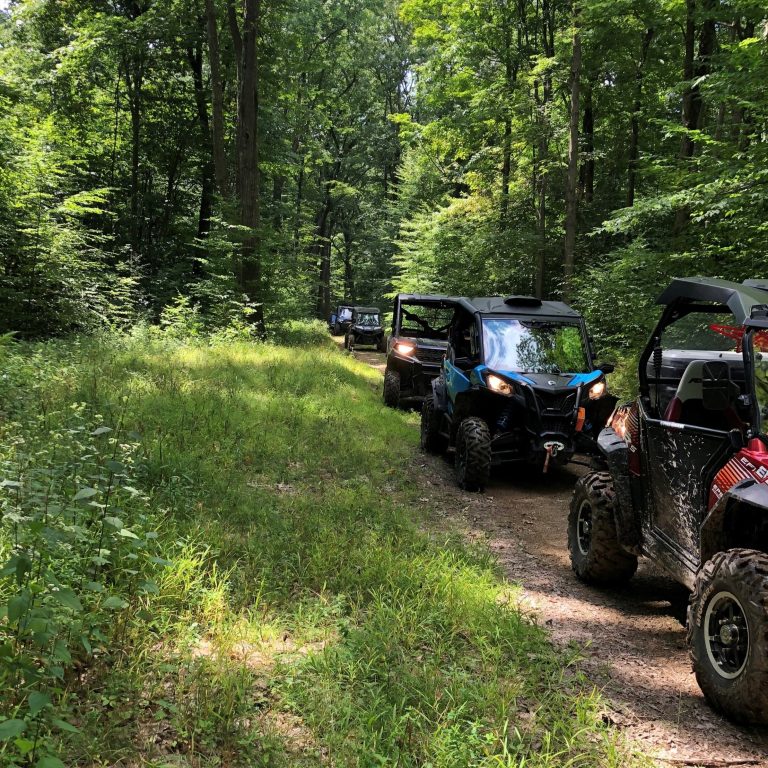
298	614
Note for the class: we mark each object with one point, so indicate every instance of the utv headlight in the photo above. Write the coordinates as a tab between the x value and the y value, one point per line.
597	390
497	384
403	348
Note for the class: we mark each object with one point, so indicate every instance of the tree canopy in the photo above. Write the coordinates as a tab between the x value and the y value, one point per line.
262	160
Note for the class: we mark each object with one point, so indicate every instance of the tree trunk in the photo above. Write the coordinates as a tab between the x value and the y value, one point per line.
195	57
322	248
548	49
634	141
217	100
587	168
506	170
349	281
695	67
571	210
248	160
134	80
689	106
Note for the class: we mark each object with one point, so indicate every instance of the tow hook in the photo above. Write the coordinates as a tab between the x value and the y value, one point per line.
552	448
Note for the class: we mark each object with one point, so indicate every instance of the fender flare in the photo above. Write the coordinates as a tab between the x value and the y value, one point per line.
440	393
615	454
747	493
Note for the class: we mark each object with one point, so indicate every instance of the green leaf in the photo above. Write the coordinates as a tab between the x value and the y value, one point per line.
101	431
63	725
37	701
49	761
85	493
25	746
115	522
114	602
69	599
17	607
115	467
9	729
125	533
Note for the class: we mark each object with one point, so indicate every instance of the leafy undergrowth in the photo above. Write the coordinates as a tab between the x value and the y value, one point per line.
211	555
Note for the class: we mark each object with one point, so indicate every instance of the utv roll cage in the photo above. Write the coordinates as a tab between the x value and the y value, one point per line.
701	295
403	300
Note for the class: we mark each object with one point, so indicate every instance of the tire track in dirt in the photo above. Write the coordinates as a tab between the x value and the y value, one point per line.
633	638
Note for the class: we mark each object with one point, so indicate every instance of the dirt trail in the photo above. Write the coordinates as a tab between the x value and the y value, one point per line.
633	639
376	360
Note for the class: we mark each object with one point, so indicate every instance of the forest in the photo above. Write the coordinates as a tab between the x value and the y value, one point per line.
191	571
258	163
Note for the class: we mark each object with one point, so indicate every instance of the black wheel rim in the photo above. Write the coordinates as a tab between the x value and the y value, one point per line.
584	527
726	635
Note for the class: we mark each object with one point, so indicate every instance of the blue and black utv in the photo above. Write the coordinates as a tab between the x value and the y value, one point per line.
518	384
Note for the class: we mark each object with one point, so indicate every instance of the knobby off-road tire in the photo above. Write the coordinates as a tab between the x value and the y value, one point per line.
728	633
336	329
392	389
381	344
473	454
596	555
431	439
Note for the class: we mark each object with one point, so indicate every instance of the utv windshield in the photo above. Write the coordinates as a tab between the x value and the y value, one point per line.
534	346
369	320
345	313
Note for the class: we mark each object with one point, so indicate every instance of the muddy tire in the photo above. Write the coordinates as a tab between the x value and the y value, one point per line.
596	555
392	389
336	329
431	439
381	345
728	633
473	454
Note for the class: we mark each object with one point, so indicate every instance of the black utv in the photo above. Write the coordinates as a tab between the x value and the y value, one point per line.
365	328
340	320
416	348
518	384
681	479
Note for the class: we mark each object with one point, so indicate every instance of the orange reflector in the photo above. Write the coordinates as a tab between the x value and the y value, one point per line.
580	419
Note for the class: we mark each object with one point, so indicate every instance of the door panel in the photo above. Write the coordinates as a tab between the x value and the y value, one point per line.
455	380
680	463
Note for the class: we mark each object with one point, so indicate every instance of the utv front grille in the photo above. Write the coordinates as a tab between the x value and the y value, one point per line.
556	424
430	356
556	402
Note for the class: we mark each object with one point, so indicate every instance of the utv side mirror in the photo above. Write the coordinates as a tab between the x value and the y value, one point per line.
605	367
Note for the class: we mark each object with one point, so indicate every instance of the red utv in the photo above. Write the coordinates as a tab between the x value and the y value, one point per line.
682	480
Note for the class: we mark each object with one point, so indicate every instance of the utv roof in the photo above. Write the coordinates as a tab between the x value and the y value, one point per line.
738	298
372	310
761	284
426	299
517	305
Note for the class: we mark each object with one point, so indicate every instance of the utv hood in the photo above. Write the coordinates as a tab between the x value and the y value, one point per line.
548	380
